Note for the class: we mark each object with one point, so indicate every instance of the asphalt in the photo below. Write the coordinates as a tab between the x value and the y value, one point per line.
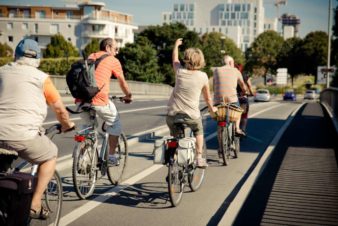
299	184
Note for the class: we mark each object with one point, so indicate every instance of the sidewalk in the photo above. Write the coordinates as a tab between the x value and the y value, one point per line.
299	185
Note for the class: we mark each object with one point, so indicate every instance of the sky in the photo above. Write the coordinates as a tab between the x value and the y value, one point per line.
313	14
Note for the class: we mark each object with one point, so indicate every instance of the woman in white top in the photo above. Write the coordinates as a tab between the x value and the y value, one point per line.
184	100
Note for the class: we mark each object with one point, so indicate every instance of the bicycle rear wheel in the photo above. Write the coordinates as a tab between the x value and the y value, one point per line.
196	175
224	145
115	173
235	142
175	183
52	200
84	168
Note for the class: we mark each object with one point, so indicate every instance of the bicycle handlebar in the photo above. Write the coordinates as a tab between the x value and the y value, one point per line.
57	128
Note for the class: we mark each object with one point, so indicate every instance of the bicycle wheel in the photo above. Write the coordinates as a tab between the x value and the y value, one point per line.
175	183
52	200
84	168
196	175
115	173
224	145
235	142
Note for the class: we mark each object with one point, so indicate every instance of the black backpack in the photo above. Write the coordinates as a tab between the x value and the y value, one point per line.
81	79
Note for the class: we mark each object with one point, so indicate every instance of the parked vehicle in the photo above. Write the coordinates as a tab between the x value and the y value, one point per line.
262	95
310	94
289	95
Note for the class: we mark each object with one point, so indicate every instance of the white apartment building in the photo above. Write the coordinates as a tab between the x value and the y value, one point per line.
77	23
240	20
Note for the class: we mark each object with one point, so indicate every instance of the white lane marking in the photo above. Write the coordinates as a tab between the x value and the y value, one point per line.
121	112
77	213
236	204
212	135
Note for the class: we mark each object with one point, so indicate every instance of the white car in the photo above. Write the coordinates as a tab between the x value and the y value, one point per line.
310	94
262	95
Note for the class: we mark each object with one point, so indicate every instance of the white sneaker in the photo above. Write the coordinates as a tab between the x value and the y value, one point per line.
113	160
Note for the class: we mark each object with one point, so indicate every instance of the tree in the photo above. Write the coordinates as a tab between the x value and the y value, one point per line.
261	57
92	47
334	55
139	62
212	45
290	57
59	47
313	52
5	50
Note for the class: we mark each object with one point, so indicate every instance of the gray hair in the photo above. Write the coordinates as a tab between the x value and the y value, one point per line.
228	60
28	61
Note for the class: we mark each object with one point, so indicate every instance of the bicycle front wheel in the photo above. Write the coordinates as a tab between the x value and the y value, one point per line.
84	168
224	145
52	200
196	175
115	172
175	183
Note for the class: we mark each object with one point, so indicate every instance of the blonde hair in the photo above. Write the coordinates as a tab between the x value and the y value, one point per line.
228	60
193	59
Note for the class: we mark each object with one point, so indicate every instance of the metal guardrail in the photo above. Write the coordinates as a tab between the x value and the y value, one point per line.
329	98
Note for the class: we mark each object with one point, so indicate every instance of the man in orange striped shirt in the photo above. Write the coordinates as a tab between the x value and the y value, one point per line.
108	67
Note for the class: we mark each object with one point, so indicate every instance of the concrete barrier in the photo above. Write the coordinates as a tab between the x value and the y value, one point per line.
329	99
137	88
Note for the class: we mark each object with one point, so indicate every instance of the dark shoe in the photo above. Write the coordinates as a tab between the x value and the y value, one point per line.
240	133
43	214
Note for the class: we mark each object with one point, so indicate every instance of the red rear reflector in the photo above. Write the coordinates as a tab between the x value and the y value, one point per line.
79	138
172	144
223	124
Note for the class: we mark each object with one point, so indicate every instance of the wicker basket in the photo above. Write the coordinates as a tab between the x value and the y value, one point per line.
234	113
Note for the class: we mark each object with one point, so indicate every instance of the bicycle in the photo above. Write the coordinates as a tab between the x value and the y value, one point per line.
226	128
52	198
88	159
182	169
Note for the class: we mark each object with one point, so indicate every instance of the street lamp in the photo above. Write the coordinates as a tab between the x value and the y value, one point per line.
329	46
222	39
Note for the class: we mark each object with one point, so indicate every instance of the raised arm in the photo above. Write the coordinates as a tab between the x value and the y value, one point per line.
175	59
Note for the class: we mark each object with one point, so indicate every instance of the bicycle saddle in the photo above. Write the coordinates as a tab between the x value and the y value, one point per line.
4	151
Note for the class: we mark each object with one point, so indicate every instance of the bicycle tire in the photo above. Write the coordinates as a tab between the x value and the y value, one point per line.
235	143
237	147
52	200
224	145
196	176
84	169
175	183
115	173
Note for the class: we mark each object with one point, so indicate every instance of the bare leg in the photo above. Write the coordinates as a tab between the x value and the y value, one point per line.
199	145
112	144
45	174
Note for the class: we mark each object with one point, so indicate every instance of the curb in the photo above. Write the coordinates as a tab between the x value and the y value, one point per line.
236	204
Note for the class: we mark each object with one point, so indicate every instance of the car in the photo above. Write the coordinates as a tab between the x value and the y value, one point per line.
310	94
289	95
262	95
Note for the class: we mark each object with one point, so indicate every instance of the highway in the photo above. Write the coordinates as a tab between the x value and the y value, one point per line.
142	198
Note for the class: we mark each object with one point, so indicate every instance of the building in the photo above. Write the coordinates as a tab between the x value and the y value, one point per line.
290	26
240	20
77	23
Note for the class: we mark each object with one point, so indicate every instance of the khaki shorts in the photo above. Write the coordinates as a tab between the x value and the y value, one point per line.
194	124
37	150
109	114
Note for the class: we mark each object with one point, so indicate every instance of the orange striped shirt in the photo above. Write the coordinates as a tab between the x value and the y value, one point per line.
107	67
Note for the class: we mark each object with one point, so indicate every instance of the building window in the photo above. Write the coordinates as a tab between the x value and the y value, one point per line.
10	38
175	7
69	14
191	7
190	16
54	28
12	13
248	7
182	7
36	39
10	26
69	39
226	15
40	14
116	30
244	7
223	22
25	26
233	15
26	13
36	28
244	15
237	7
228	7
69	25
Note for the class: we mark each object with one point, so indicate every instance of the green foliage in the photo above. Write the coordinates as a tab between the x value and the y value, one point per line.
290	56
58	66
212	45
139	62
262	54
5	50
92	47
59	47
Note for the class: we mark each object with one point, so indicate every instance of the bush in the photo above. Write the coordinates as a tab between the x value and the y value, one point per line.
59	66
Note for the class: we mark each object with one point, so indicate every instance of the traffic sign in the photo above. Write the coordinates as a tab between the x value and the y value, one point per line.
282	76
323	72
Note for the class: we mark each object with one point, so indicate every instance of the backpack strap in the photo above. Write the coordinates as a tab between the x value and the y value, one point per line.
97	61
